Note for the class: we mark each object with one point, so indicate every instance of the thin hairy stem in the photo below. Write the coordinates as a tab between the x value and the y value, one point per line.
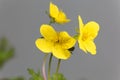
43	67
49	65
58	65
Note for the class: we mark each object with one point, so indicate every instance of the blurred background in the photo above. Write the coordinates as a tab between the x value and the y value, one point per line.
19	24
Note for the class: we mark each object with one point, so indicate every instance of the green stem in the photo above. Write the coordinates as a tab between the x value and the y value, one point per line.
51	21
43	67
50	59
58	65
49	65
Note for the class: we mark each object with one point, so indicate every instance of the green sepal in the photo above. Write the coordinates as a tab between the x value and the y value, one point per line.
76	36
52	20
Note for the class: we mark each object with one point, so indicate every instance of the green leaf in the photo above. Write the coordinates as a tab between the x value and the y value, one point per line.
6	51
57	76
3	44
34	75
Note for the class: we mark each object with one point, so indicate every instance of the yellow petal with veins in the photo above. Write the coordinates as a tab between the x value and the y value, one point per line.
61	53
48	32
81	25
91	29
90	47
66	40
54	11
61	18
81	45
44	45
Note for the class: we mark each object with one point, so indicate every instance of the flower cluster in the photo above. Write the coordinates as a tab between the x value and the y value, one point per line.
58	43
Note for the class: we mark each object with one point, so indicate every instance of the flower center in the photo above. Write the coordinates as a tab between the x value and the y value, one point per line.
58	41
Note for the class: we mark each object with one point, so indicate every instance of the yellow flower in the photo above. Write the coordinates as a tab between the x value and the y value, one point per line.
54	42
88	33
58	15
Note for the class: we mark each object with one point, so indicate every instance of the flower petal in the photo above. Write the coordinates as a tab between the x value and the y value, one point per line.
66	40
80	24
81	45
61	18
44	45
90	47
54	11
48	32
60	53
91	28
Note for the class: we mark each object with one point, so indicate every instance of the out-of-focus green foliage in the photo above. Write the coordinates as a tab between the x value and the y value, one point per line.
58	76
14	78
6	51
37	76
34	75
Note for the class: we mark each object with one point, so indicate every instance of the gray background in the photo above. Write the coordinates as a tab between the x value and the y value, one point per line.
20	21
